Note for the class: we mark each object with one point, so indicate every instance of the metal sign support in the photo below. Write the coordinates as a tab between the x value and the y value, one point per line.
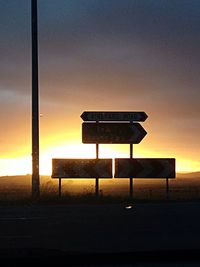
60	187
97	179
167	188
131	178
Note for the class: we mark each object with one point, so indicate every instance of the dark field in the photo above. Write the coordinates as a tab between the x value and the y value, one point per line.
184	187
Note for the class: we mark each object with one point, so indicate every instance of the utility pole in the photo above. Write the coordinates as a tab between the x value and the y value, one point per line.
35	104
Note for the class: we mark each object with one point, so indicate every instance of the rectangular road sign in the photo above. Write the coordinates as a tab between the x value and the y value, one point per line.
114	116
145	168
112	133
81	168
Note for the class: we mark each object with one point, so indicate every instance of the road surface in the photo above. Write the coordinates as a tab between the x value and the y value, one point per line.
108	228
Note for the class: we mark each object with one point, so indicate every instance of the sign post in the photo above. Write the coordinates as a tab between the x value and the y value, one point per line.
146	168
97	179
131	178
167	188
82	168
59	187
113	128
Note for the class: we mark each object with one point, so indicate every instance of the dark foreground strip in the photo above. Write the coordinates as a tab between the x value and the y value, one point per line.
24	256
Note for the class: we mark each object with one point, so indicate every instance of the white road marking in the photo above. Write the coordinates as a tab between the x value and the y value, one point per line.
15	236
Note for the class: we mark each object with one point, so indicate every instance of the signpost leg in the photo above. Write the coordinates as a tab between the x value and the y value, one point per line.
97	187
131	187
167	188
131	178
97	179
59	187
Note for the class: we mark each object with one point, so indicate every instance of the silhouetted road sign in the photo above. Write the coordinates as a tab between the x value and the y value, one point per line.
113	116
145	168
82	168
112	133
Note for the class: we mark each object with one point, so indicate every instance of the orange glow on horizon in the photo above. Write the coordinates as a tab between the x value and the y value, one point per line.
23	165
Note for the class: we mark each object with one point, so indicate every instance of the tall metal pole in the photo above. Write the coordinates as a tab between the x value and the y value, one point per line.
35	103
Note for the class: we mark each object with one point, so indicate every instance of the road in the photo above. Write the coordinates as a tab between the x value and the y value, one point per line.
108	228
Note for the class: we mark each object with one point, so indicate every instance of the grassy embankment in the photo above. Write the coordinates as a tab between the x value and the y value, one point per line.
17	189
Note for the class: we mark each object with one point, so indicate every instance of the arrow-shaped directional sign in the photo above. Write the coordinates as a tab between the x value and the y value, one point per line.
145	168
113	116
82	168
112	133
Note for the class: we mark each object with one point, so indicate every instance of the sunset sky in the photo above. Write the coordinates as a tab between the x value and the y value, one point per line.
101	55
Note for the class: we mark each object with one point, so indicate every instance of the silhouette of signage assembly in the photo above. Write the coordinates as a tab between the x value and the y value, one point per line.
82	168
113	128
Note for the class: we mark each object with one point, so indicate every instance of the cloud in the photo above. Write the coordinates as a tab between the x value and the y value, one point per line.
114	55
146	40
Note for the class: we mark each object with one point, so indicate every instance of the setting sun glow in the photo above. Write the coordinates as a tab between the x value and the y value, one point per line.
100	56
23	165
